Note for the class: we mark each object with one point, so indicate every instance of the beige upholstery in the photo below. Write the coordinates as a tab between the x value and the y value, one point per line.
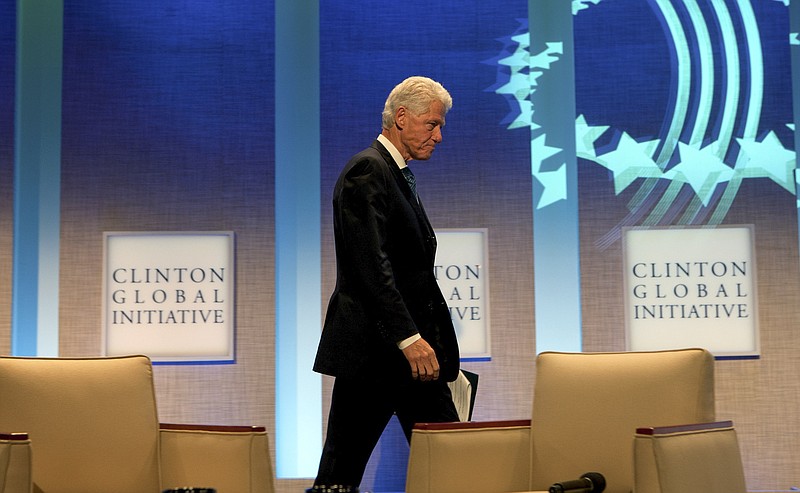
93	428
585	411
469	458
15	463
85	418
587	407
694	459
196	456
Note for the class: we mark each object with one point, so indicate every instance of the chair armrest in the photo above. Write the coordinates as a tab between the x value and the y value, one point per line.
13	437
15	463
227	458
471	457
698	457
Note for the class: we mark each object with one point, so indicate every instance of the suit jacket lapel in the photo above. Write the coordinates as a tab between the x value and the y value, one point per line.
416	204
398	175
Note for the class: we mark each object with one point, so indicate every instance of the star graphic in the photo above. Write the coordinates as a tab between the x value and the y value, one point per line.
701	169
768	158
578	5
585	136
523	40
516	61
554	184
519	87
551	54
630	160
540	151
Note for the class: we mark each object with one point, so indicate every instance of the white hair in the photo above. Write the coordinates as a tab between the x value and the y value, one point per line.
415	94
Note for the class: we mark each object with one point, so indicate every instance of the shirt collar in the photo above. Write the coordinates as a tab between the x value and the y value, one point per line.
398	158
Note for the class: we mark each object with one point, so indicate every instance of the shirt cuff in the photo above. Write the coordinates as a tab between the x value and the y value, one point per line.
409	341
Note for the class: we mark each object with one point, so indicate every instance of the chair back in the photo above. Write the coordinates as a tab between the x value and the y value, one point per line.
92	422
587	407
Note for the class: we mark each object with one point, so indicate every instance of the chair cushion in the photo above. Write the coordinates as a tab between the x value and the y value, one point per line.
15	464
92	422
587	407
233	459
690	459
469	457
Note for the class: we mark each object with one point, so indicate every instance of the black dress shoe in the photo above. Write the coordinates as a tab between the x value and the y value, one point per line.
332	488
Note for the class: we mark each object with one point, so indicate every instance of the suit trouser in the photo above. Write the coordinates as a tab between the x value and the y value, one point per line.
360	411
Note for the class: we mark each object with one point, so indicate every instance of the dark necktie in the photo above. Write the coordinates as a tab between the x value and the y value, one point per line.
412	182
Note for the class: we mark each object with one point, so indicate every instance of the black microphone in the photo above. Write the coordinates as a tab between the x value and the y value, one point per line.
590	482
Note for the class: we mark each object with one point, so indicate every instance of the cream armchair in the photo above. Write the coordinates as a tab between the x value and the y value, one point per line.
15	463
93	428
683	459
586	409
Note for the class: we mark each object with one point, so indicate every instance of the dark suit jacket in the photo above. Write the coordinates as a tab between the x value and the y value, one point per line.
385	286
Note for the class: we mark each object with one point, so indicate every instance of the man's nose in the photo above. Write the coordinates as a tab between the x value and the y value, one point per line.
437	134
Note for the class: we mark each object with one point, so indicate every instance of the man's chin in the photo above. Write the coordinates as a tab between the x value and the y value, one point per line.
423	156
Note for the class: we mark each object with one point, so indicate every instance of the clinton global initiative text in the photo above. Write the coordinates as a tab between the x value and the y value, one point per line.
695	311
167	317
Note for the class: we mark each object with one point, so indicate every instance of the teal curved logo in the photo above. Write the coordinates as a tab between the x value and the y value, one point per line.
715	130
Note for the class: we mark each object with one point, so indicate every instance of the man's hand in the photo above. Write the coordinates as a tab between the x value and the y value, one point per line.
422	358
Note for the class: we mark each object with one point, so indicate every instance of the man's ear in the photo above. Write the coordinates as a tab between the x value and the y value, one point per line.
400	117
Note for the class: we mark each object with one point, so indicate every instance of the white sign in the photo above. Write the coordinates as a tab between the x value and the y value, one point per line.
463	275
169	296
691	287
